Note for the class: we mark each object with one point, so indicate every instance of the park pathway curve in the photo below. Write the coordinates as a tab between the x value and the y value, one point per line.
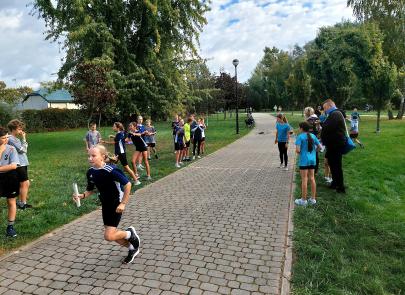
218	226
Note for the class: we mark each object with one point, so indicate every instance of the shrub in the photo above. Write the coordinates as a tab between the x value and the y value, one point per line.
6	114
53	119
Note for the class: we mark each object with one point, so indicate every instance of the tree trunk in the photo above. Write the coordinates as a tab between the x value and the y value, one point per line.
99	120
378	120
401	108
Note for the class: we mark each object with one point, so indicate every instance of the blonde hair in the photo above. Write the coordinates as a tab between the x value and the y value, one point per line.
148	121
308	111
107	157
329	102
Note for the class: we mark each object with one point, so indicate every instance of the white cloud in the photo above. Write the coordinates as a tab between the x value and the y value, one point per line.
279	23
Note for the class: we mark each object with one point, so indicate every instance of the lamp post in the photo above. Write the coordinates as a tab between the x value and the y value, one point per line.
235	63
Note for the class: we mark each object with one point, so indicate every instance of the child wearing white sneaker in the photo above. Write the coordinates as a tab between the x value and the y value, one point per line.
306	146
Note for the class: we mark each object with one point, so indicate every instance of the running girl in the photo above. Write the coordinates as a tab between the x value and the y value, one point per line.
9	183
150	139
119	149
108	180
282	139
17	139
306	146
141	148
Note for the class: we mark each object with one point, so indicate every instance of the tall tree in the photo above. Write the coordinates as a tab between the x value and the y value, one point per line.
12	95
145	44
390	17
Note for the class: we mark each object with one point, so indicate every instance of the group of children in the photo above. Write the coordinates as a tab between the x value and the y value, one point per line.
186	133
308	147
14	163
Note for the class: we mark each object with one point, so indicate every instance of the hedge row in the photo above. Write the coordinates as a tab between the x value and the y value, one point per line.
53	119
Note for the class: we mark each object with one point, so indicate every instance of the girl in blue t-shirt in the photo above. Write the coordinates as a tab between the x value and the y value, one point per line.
282	139
306	146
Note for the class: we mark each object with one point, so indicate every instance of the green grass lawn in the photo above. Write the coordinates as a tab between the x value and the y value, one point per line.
57	159
355	243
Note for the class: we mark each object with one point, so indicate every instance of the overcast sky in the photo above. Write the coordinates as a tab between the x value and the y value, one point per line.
236	29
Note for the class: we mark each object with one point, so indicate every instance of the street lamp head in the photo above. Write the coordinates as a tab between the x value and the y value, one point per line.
235	62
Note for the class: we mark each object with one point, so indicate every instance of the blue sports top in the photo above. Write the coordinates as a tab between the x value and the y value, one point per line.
109	181
282	131
307	158
119	141
179	138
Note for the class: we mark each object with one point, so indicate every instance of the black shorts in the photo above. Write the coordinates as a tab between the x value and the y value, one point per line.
123	159
353	135
178	146
202	139
110	217
151	144
141	148
310	167
22	172
188	143
9	184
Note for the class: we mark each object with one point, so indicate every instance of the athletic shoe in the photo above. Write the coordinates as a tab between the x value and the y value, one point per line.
22	206
137	182
329	180
199	157
148	178
301	202
139	166
193	157
285	168
134	238
312	201
181	163
281	166
10	231
177	165
131	256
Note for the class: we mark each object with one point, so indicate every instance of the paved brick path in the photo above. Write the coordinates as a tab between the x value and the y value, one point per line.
216	227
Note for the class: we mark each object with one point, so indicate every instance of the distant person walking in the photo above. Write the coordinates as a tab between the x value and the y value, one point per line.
354	127
333	136
282	139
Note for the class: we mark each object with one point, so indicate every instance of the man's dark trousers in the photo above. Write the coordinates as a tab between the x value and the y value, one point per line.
335	163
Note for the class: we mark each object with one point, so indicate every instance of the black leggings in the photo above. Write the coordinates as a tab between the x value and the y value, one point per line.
196	144
283	152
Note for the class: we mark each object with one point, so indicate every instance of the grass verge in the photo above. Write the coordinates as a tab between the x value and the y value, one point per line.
57	159
355	243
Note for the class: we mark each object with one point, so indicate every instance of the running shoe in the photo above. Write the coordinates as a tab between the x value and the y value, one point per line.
177	165
301	202
312	201
131	256
22	206
181	163
139	166
281	166
199	157
193	157
137	182
285	168
148	178
10	232
134	238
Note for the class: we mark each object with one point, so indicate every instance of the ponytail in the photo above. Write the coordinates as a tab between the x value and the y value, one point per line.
306	127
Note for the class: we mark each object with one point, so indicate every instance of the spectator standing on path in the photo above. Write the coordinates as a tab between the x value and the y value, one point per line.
175	124
306	146
193	125
9	184
203	127
93	137
113	199
315	127
333	136
17	139
198	133
187	136
282	139
180	143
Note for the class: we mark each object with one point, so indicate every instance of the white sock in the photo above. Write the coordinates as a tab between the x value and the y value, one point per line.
128	235
130	247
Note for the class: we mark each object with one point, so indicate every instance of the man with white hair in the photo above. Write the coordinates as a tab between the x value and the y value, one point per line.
333	136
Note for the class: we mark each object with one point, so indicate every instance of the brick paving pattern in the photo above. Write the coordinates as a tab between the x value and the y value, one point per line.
217	226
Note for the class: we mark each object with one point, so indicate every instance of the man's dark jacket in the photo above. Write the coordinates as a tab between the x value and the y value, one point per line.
333	133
